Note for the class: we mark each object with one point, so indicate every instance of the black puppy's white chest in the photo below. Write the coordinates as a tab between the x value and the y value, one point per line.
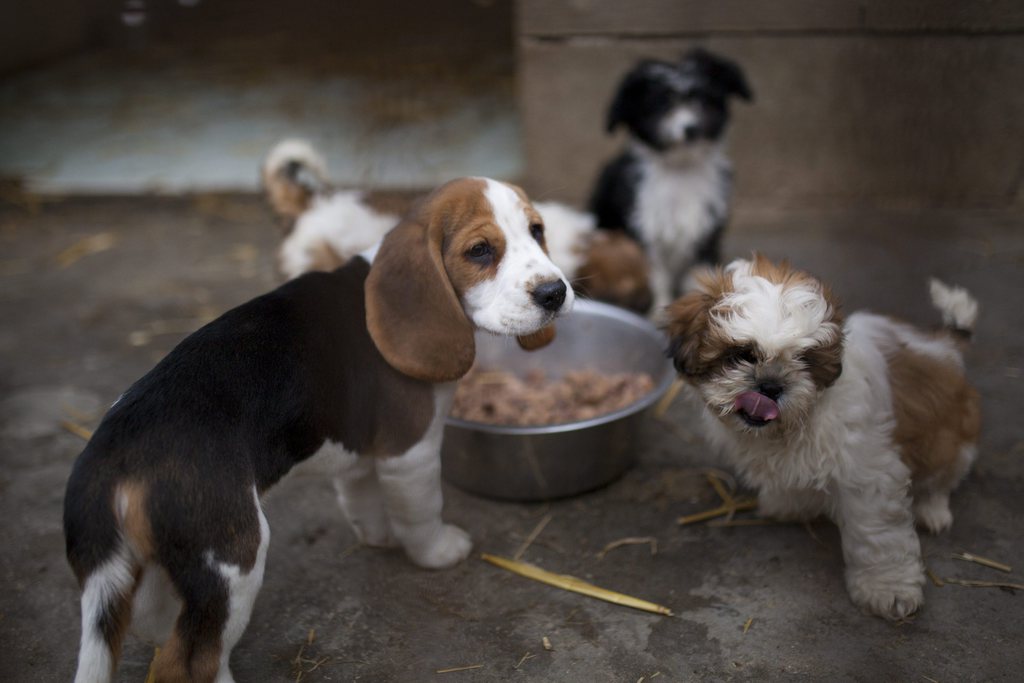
679	205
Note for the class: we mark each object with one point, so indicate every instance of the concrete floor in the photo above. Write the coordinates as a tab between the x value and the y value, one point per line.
80	325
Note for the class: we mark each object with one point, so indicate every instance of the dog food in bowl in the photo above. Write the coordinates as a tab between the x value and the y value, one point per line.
503	398
545	462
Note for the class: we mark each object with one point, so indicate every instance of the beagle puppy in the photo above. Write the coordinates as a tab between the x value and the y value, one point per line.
162	515
324	227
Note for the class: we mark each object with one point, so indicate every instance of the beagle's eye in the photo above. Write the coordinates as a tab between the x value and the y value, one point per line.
537	230
481	251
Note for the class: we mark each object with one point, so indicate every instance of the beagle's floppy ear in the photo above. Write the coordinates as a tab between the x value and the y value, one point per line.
412	312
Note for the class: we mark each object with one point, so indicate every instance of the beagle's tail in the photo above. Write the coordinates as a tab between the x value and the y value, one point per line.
293	174
958	308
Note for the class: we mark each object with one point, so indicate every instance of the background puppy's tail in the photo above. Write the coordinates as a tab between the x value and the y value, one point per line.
293	173
958	308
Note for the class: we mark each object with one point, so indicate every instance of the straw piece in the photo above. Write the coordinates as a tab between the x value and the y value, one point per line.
810	532
532	537
299	662
983	561
523	659
970	583
351	549
76	414
746	626
720	511
720	489
631	540
93	244
939	583
575	585
743	522
151	676
459	668
76	429
492	377
721	475
546	642
156	328
669	397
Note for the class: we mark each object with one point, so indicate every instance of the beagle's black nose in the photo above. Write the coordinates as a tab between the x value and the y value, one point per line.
549	295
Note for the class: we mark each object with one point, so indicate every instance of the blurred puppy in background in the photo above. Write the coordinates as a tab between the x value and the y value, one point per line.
602	265
670	190
325	227
869	421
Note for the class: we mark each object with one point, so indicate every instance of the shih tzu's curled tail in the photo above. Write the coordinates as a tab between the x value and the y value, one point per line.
958	308
293	174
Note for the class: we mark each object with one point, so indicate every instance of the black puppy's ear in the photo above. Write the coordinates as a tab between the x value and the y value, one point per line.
725	72
630	96
735	81
620	103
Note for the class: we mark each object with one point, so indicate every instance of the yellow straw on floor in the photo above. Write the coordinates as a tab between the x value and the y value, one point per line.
571	583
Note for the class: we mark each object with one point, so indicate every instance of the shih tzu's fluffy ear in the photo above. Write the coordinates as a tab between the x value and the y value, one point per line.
689	323
825	363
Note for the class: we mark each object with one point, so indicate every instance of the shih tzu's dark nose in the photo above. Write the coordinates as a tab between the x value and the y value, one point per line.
690	133
550	295
771	389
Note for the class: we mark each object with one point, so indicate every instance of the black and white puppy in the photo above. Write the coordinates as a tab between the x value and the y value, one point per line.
162	514
671	188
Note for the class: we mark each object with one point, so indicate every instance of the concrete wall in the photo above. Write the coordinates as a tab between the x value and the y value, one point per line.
858	103
35	31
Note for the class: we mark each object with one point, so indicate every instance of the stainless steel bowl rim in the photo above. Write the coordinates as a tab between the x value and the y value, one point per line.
660	388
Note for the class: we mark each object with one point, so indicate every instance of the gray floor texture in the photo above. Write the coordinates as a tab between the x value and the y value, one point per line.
94	291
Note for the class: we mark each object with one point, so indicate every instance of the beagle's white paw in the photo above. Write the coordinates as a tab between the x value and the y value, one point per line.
448	546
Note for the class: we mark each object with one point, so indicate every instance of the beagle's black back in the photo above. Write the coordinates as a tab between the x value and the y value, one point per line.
236	405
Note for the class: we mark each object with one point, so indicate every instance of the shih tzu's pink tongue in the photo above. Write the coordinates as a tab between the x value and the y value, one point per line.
757	406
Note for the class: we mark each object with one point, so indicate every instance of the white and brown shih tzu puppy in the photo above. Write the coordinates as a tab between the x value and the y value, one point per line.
870	420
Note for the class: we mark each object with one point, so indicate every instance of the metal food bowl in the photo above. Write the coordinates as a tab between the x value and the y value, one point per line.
554	461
